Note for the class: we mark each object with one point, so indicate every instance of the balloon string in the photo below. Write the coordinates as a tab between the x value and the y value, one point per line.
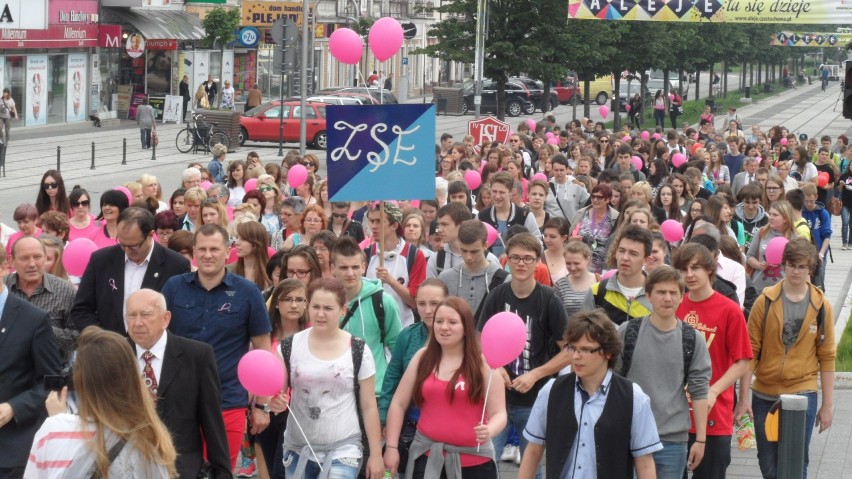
305	436
485	403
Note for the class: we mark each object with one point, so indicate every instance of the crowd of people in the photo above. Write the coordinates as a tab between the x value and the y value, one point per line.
374	308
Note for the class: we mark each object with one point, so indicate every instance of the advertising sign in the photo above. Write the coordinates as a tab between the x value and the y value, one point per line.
36	90
810	39
135	101
718	11
23	14
264	14
158	104
173	109
135	45
381	152
109	36
70	23
75	108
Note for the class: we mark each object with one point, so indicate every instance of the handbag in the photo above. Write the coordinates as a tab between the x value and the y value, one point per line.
155	139
834	206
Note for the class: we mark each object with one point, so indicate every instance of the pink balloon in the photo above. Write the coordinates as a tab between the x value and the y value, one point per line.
232	257
126	192
346	46
783	142
672	230
531	124
549	135
604	111
678	159
414	204
645	135
540	177
775	250
657	136
270	251
251	184
76	255
608	273
671	97
625	139
261	373
473	179
492	234
296	176
503	339
553	141
637	162
205	185
385	38
822	179
627	108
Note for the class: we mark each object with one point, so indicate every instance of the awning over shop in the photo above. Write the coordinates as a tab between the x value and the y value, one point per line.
161	23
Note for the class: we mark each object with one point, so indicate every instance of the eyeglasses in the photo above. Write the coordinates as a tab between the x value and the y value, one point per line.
772	188
696	211
313	220
290	299
266	188
525	259
582	351
298	273
597	197
514	140
603	141
132	247
77	204
50	186
339	216
309	163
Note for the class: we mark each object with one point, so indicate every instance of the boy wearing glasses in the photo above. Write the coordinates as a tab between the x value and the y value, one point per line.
600	412
750	212
661	342
791	319
545	319
723	326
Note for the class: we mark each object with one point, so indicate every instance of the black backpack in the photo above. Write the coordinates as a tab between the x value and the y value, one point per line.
378	308
632	333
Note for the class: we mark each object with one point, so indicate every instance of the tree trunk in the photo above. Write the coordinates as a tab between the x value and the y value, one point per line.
616	103
501	99
586	99
697	83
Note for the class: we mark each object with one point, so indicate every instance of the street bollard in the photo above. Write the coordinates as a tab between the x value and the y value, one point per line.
2	159
153	151
58	155
93	156
124	151
791	436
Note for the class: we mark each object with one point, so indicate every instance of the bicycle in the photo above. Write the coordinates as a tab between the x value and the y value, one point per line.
200	133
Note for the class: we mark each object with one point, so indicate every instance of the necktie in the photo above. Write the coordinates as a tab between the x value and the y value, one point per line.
749	180
148	373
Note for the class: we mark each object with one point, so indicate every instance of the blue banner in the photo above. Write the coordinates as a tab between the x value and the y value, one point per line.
381	152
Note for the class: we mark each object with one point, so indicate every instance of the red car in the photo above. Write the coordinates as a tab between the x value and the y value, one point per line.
262	123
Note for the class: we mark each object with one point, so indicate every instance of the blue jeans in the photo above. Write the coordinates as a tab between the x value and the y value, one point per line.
343	468
660	118
517	416
767	452
846	229
146	137
670	461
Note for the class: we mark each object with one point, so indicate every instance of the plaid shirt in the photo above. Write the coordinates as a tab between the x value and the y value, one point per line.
56	296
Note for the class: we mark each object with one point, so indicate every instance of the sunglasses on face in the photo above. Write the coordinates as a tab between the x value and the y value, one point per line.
50	186
77	204
266	188
339	216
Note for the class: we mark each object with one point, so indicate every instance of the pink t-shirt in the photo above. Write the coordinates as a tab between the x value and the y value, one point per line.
100	238
75	232
15	237
450	423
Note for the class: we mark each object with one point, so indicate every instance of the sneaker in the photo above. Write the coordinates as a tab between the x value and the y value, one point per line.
508	453
845	247
247	468
517	456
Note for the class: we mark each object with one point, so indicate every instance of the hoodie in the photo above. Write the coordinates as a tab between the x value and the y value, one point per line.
470	287
750	226
365	325
819	222
637	175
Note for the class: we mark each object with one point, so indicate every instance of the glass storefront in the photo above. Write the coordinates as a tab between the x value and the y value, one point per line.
56	92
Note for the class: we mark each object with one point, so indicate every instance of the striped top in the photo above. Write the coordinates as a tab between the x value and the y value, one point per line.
60	451
572	300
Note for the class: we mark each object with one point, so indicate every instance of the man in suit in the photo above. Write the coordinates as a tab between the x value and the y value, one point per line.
746	177
28	352
181	373
114	273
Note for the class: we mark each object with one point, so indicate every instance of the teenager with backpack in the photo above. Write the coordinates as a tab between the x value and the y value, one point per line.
791	327
371	314
660	342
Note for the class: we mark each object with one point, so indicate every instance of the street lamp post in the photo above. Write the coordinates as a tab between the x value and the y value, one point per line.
479	53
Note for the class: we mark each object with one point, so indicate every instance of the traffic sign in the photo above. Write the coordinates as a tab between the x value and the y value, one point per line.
249	36
409	30
405	60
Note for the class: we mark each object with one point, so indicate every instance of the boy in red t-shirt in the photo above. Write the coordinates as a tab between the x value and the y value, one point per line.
723	325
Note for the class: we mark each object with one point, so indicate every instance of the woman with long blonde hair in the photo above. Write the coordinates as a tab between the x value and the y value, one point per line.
116	413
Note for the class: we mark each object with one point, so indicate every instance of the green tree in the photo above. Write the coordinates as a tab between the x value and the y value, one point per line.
220	25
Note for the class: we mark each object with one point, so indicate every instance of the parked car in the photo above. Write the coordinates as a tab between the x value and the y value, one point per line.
381	95
340	100
536	90
261	123
566	90
600	89
517	98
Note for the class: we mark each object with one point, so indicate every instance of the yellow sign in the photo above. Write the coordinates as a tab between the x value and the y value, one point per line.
264	14
810	39
716	11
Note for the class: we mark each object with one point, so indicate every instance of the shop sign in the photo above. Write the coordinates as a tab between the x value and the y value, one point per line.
161	44
23	14
109	36
249	37
36	113
264	14
75	109
71	23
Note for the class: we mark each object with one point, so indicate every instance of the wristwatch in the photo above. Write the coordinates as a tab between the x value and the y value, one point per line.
263	407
